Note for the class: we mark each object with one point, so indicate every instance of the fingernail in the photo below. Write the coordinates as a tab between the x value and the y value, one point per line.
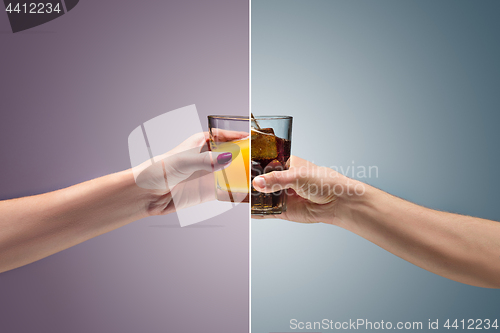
259	182
224	158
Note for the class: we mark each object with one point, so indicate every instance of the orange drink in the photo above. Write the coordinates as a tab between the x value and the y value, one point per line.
231	134
235	177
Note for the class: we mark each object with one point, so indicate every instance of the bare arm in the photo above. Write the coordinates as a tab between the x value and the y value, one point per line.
461	248
35	227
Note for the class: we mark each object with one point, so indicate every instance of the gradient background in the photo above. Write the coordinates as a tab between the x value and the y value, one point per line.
71	91
412	87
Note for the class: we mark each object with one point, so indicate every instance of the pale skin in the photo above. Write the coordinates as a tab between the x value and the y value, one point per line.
462	248
32	228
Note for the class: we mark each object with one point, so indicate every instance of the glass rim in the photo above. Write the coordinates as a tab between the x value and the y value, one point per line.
272	117
229	117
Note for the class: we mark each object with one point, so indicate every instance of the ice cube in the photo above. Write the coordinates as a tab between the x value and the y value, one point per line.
274	165
256	169
264	144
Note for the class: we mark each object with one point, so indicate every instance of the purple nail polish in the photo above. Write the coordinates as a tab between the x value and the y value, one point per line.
224	158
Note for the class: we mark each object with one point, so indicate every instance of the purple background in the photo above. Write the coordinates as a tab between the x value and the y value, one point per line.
71	92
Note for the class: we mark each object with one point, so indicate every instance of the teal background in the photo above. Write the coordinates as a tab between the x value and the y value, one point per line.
412	87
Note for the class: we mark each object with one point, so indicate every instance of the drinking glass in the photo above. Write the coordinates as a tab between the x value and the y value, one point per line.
231	134
270	151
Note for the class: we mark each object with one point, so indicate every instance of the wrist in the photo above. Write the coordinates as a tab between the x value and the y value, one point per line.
143	202
357	200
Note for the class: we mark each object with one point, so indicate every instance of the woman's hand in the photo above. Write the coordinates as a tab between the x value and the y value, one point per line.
35	227
183	177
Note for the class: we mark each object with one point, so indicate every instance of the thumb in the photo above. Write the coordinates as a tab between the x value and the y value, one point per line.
182	166
311	187
190	162
279	180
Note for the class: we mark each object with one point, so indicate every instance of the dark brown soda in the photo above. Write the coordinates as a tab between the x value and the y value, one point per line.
270	203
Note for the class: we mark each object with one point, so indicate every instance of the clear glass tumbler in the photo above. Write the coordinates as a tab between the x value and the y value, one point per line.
271	143
231	134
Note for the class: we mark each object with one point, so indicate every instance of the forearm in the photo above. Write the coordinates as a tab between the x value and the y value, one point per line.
35	227
461	248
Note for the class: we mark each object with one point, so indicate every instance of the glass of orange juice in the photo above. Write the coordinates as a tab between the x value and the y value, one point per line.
231	134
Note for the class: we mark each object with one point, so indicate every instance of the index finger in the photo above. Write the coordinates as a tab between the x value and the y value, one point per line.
223	135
